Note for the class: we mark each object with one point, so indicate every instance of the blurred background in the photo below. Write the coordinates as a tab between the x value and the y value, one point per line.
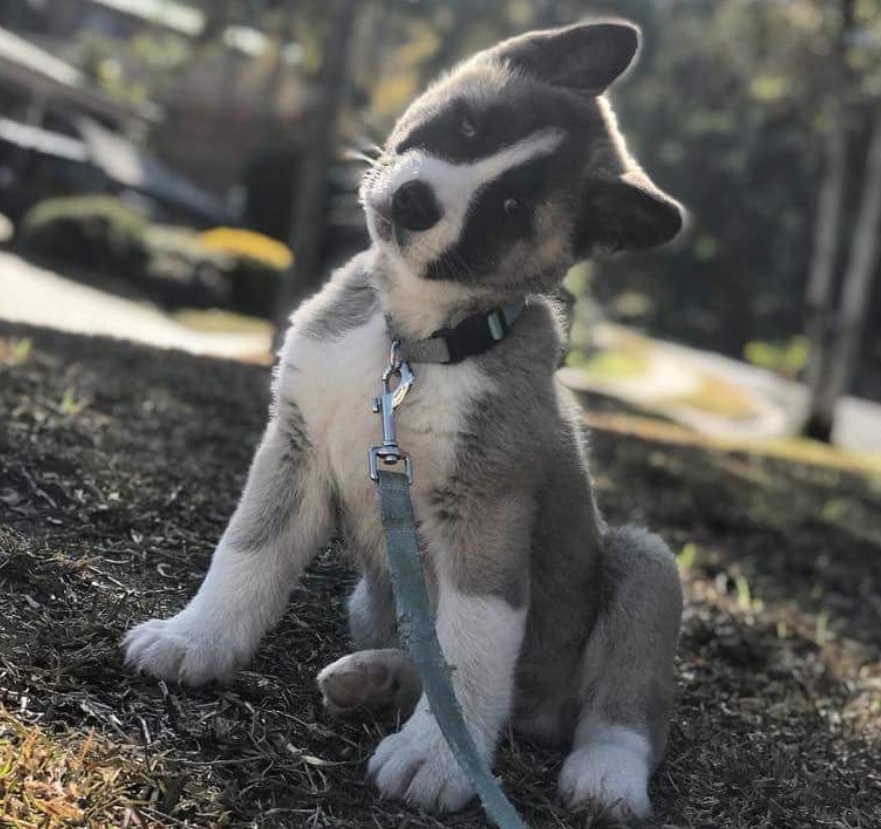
183	173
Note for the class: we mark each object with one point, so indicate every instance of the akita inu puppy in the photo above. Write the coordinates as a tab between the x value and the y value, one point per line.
493	183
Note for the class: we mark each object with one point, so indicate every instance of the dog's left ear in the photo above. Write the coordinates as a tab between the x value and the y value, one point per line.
626	212
584	58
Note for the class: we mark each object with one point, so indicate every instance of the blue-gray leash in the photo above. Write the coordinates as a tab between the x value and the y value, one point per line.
415	624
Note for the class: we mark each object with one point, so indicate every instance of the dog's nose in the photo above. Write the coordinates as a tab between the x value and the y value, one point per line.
414	206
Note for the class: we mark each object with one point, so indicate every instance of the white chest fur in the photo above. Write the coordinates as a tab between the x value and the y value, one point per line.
333	382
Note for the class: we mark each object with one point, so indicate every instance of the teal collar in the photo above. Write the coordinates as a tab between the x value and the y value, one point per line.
474	336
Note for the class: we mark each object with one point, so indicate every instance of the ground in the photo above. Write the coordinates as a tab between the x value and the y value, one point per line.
119	465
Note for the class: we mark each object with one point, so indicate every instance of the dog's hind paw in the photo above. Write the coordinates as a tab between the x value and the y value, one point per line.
179	649
417	766
375	682
611	771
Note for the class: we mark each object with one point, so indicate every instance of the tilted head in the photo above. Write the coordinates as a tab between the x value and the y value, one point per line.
511	168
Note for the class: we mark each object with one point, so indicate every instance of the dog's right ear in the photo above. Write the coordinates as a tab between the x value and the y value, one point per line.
626	212
584	58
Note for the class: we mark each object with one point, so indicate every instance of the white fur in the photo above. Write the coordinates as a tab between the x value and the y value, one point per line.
454	185
481	638
609	766
333	383
245	590
420	307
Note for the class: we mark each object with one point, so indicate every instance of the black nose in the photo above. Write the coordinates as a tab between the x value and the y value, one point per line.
414	206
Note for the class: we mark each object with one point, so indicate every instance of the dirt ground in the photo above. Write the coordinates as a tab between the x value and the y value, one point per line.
119	465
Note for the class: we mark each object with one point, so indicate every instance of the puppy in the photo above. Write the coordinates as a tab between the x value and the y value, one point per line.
492	185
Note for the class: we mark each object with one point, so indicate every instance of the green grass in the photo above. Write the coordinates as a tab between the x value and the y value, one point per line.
617	365
216	321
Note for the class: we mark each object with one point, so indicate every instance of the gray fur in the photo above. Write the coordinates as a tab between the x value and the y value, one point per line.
628	665
372	613
518	513
604	605
266	523
349	303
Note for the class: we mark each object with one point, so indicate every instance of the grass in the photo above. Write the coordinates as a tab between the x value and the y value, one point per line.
612	364
108	514
718	398
70	779
14	350
628	357
794	449
214	320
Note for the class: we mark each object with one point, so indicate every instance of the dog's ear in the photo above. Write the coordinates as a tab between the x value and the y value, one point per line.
585	57
626	212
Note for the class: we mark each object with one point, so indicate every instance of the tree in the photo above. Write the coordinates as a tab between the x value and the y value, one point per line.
835	333
309	224
840	356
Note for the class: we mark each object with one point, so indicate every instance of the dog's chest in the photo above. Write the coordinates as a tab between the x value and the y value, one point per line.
333	383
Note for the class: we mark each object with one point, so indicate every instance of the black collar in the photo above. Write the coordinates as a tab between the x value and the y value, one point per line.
473	336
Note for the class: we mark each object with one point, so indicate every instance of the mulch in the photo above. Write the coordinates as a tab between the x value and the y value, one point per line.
119	466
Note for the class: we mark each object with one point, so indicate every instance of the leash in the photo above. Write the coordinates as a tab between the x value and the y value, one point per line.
415	625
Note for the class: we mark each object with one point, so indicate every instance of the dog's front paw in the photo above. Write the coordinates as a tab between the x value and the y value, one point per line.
610	774
416	765
183	649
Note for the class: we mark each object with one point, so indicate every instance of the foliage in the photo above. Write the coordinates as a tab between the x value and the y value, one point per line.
15	351
101	232
787	358
725	111
226	267
245	244
612	364
254	264
214	320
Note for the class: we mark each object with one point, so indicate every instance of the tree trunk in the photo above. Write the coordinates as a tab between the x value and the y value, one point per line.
820	293
820	297
310	208
861	271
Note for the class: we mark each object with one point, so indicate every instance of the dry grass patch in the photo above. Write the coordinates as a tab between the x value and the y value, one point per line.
714	396
54	780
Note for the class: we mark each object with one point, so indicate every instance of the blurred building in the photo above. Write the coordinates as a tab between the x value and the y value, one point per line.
228	119
39	89
231	102
61	135
52	22
239	89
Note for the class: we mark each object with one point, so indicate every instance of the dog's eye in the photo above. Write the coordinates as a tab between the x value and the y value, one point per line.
511	207
467	128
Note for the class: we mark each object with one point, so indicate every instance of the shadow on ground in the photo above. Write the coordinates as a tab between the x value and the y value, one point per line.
118	468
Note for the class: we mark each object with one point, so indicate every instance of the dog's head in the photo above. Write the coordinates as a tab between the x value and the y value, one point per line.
511	168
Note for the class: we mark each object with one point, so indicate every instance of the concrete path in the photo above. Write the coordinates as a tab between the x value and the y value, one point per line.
38	296
778	404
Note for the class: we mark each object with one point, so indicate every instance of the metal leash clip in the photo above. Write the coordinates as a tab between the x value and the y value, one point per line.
389	453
